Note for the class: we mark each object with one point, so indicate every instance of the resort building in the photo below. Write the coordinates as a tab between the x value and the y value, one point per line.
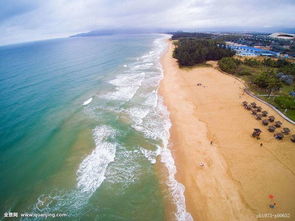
243	50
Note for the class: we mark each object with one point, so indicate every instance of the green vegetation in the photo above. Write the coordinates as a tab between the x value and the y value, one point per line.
179	35
229	65
262	77
191	51
285	102
267	81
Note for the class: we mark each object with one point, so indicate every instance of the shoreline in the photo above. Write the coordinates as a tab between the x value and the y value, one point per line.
238	174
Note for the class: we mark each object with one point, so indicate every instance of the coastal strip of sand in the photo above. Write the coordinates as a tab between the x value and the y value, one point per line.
227	174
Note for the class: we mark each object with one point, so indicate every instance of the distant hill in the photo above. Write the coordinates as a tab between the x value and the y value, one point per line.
118	31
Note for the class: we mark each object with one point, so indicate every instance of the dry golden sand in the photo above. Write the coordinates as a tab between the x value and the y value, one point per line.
239	174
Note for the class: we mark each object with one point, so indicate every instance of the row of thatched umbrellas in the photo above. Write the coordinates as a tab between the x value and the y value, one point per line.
259	115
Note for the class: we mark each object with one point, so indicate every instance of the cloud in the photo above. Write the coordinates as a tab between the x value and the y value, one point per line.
25	20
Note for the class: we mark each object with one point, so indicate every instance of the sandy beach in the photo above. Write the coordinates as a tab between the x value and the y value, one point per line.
239	179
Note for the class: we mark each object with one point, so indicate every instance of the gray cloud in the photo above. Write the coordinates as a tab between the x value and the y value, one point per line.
25	20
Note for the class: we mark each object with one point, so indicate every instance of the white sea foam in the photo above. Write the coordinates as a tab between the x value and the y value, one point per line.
125	169
156	125
137	114
151	118
122	93
126	86
153	121
152	99
90	175
91	172
177	189
124	80
150	154
88	101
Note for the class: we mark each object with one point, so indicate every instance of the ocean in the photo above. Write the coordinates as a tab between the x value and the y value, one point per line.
83	132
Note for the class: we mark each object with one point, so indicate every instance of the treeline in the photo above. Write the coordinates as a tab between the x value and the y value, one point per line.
191	51
178	35
233	66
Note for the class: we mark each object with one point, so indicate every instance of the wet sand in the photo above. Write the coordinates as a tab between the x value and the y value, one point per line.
210	126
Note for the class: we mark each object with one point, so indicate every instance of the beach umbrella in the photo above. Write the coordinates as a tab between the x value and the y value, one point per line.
286	130
279	136
256	132
253	104
248	107
258	109
265	122
271	118
278	124
245	103
254	112
293	138
264	113
258	116
271	128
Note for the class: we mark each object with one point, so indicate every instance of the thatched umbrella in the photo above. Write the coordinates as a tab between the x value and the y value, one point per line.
279	136
254	112
278	124
258	109
264	113
248	107
253	104
265	122
286	130
293	138
256	132
244	103
258	116
271	128
271	118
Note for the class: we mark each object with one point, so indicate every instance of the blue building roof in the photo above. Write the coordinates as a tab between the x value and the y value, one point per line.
256	51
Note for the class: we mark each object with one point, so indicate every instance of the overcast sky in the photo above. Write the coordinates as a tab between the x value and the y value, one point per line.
28	20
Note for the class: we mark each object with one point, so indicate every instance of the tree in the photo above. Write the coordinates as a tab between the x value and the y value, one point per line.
251	62
268	82
228	64
269	62
191	51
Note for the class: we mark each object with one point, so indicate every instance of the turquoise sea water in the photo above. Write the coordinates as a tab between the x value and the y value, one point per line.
83	131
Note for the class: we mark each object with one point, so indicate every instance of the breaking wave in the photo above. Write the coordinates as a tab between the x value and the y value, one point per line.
91	172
